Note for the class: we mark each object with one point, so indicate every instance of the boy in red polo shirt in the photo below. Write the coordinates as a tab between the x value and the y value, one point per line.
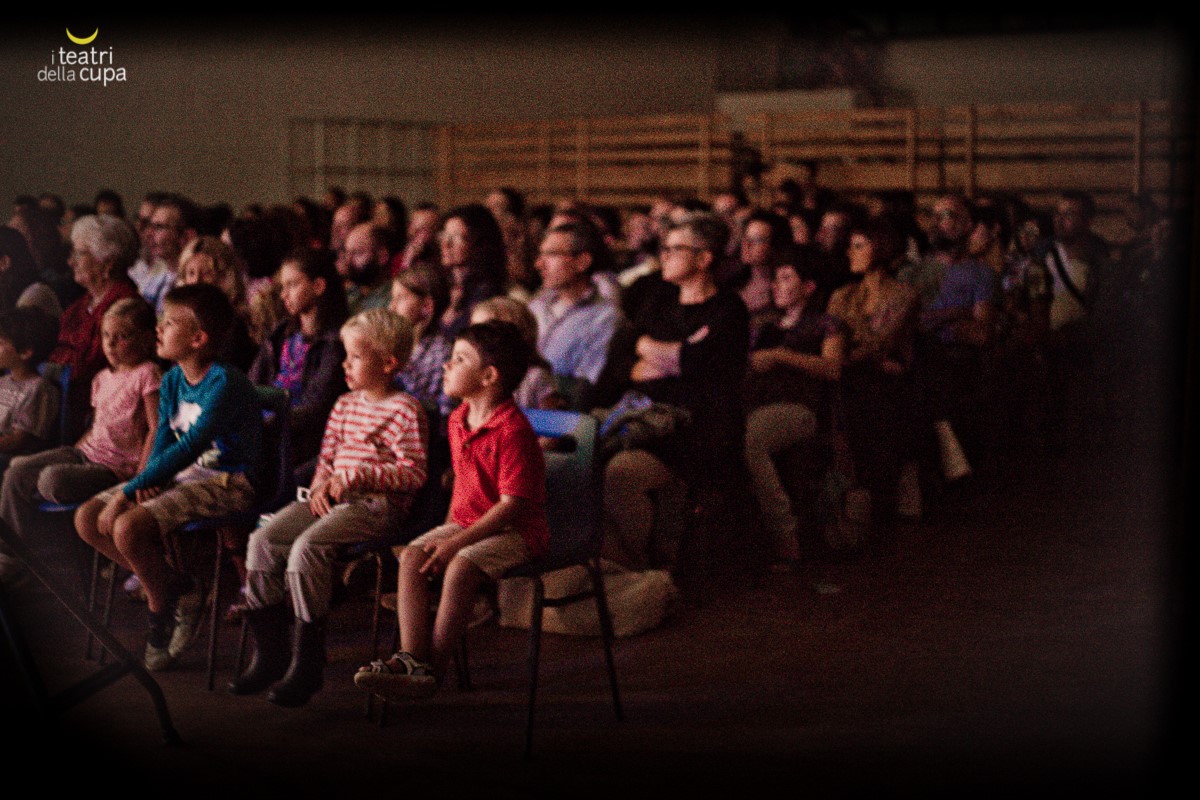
497	516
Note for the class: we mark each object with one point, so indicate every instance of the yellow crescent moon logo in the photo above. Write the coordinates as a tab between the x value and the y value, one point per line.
87	40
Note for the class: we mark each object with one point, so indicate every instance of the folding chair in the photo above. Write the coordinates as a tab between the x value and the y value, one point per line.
576	536
275	490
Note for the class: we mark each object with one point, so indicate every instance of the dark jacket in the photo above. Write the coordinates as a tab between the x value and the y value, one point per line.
324	382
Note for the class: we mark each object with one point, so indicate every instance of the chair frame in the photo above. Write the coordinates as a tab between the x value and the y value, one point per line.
576	538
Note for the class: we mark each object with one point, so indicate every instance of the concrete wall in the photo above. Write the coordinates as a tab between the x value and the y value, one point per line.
205	111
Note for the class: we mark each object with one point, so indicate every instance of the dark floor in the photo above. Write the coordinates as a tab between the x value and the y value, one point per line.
1020	639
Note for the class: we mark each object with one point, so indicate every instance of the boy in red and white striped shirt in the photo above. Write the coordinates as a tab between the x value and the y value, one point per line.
371	464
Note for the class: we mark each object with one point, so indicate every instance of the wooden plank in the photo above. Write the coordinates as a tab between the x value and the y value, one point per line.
910	148
969	145
836	153
581	174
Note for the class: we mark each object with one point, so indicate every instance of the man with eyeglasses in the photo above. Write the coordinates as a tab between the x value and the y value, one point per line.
575	321
690	352
148	273
766	235
170	228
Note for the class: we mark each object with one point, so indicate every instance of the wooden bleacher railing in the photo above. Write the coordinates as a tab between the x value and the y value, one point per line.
1032	150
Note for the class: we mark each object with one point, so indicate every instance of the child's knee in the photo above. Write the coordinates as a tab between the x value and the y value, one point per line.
411	560
132	528
87	517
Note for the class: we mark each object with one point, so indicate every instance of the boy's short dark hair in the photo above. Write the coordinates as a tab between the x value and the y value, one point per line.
801	259
30	329
500	345
213	312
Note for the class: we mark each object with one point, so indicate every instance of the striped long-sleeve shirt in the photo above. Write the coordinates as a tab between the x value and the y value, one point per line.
377	446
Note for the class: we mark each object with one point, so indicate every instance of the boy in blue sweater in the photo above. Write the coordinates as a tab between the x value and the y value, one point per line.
205	458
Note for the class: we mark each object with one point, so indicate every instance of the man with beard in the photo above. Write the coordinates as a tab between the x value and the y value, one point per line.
363	264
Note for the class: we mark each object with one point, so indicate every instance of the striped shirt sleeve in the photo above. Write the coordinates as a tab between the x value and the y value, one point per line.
377	446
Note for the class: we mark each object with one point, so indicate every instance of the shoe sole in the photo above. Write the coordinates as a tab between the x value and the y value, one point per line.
396	687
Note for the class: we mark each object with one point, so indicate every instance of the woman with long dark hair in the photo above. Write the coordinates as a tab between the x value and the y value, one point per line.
473	256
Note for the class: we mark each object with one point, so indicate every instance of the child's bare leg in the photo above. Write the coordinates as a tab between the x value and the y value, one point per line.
412	603
460	585
88	526
137	537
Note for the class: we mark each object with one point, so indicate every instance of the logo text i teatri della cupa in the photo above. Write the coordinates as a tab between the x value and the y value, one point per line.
82	63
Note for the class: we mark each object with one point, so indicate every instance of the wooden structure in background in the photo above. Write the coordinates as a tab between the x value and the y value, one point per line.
375	155
1033	150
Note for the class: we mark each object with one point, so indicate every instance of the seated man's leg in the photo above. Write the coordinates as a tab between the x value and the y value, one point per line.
770	430
73	483
628	509
17	490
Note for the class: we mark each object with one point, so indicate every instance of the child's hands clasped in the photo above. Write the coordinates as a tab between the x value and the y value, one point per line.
326	493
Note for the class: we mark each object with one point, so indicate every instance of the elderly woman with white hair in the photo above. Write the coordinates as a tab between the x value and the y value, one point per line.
103	248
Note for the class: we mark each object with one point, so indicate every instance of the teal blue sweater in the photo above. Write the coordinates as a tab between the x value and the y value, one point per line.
216	423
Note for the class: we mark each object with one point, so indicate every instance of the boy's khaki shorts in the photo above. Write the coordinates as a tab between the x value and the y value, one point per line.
494	556
196	494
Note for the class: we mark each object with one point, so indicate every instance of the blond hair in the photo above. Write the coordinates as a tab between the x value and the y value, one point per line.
140	316
513	312
226	264
385	331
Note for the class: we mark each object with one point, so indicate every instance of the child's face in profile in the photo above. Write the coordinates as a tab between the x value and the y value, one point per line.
365	367
199	269
176	332
298	292
463	374
120	342
407	304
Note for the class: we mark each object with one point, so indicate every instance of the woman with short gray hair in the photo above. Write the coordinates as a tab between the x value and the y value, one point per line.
103	248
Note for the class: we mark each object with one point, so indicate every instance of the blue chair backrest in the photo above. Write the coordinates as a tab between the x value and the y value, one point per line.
60	375
572	486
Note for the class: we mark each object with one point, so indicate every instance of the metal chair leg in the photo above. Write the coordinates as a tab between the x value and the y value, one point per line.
375	598
606	634
109	599
91	605
215	595
535	647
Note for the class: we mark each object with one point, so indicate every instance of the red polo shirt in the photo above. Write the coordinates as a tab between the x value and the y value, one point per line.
501	457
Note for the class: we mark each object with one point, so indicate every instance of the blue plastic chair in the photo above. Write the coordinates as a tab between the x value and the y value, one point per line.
573	495
60	375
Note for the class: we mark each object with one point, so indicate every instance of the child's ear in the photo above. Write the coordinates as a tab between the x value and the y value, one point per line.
490	375
319	286
200	339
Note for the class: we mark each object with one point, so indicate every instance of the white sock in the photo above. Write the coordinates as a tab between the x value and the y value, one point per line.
954	460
